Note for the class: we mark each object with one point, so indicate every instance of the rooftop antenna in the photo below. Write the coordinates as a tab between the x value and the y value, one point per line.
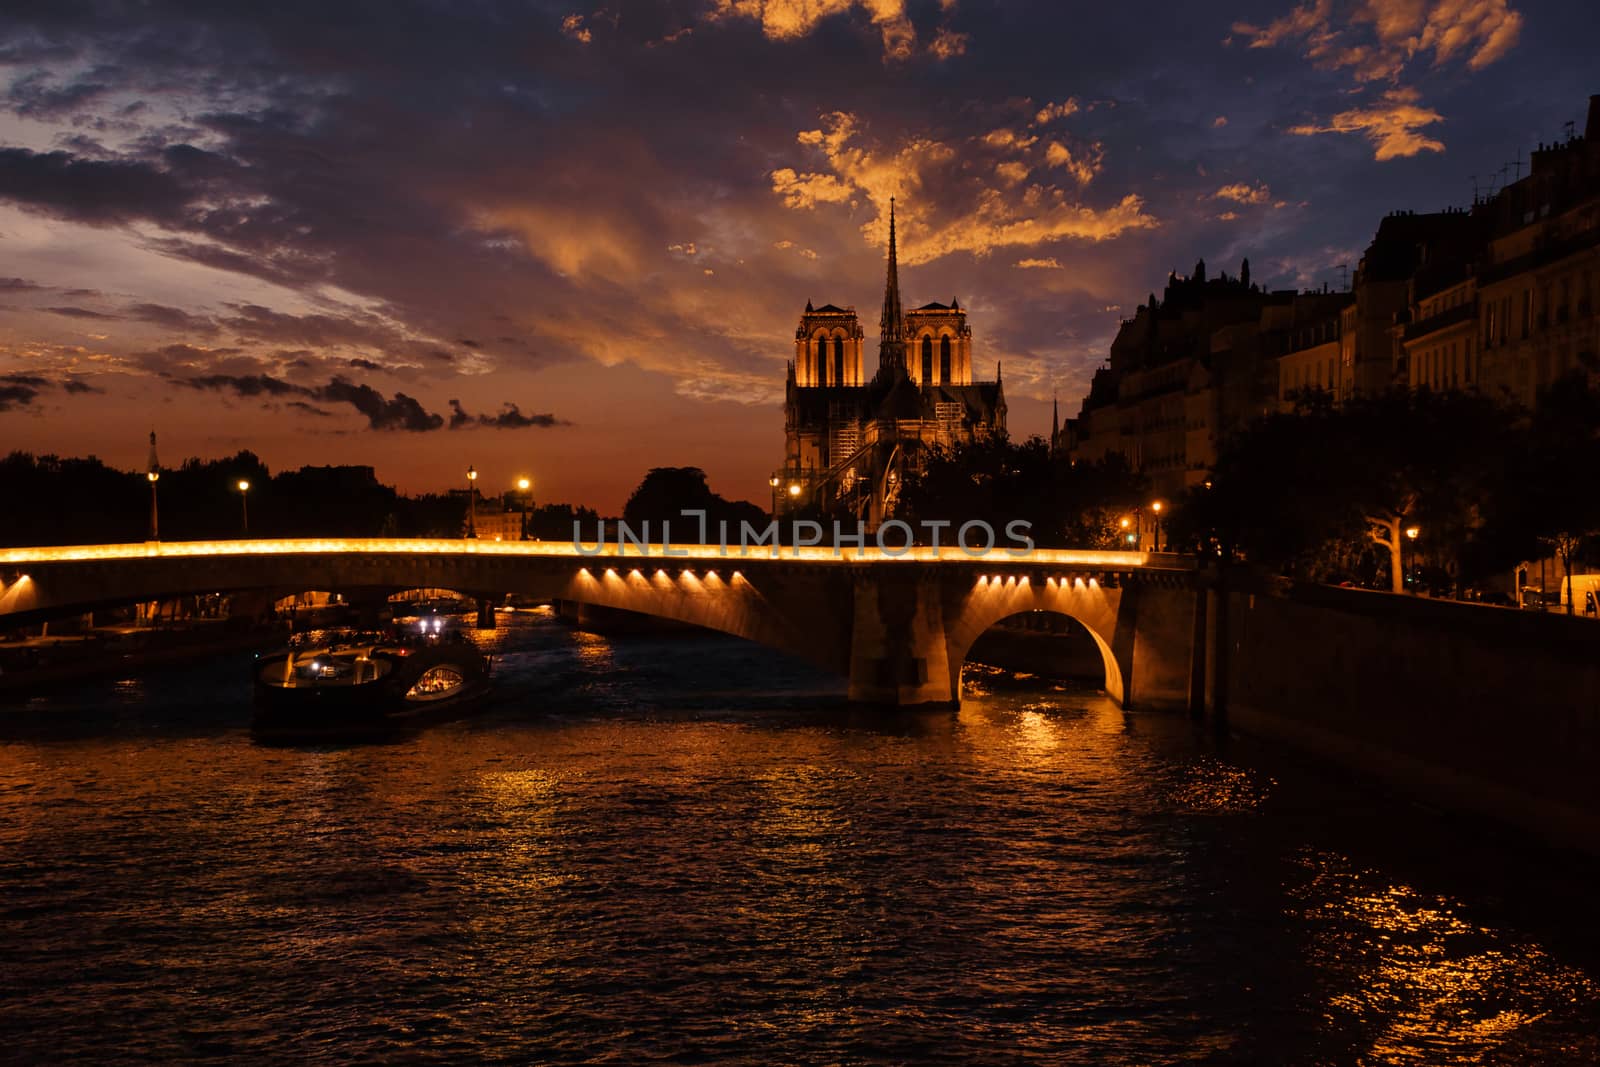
1344	277
1517	163
1474	178
1572	129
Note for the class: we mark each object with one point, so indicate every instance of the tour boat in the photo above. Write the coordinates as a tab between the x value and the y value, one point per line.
356	683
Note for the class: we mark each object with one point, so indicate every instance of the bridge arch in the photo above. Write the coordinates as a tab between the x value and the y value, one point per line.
1073	646
995	598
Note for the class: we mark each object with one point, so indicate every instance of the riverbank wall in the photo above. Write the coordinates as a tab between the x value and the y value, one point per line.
1482	710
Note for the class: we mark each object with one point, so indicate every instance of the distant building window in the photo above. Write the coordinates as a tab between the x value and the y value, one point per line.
838	361
944	360
822	361
927	361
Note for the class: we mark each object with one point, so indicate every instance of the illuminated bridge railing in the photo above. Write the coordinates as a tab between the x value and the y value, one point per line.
999	556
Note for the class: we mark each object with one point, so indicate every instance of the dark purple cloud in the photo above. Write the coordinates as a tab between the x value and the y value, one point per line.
397	412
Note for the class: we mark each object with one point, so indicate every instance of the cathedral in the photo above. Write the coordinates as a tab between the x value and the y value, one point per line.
851	439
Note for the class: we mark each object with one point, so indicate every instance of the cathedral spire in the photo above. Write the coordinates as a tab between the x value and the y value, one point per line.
892	324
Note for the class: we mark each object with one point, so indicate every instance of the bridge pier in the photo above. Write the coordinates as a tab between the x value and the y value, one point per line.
485	613
899	654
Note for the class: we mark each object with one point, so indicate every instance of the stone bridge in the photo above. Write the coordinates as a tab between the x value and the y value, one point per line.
897	626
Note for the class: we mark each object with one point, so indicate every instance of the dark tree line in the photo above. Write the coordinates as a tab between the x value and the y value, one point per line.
1334	494
997	480
75	501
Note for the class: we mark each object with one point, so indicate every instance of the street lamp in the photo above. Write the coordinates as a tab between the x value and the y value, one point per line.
472	508
773	482
244	504
1411	535
523	485
1128	538
155	527
1156	507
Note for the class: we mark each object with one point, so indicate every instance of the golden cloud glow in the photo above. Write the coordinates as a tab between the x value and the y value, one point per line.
1392	125
1056	111
1012	173
573	27
1243	193
1083	166
948	44
1376	39
788	19
989	218
1039	264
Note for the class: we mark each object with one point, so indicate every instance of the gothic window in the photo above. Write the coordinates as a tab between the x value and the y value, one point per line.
927	361
822	361
944	360
838	361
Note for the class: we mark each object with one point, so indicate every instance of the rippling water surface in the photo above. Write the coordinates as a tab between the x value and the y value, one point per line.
688	850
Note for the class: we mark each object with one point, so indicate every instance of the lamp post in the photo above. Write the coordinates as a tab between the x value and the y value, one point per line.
1156	507
155	526
244	504
773	482
1411	535
472	503
523	485
1127	537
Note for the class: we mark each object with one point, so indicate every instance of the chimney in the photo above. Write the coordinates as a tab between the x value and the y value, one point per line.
1591	129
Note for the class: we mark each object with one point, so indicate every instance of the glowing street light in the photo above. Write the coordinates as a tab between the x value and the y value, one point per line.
1156	507
1411	533
155	525
794	488
523	485
244	503
472	508
774	482
153	473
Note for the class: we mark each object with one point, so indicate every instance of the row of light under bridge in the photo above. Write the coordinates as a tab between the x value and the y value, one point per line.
998	558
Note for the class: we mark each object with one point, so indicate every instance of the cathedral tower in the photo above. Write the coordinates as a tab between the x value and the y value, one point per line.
827	347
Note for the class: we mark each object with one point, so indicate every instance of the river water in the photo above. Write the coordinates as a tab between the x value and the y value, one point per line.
688	850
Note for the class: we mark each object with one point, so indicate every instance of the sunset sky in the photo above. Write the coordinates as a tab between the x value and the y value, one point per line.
573	242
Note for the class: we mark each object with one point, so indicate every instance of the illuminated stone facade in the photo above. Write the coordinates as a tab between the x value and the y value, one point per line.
849	440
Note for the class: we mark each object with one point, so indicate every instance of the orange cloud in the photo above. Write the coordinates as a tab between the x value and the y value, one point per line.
1376	39
1243	193
788	19
982	217
1083	166
1051	112
947	44
1050	263
1392	125
573	27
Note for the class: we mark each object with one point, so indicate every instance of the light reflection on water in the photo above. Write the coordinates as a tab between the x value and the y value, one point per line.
614	866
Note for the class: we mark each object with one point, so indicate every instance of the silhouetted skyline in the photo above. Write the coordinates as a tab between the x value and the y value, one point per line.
574	245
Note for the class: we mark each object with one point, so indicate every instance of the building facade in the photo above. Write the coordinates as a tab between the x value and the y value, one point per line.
849	440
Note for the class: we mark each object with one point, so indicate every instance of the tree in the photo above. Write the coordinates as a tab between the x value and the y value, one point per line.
997	480
667	492
1550	497
1304	490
